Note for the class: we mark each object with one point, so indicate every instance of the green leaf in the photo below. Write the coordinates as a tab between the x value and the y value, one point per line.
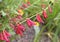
3	13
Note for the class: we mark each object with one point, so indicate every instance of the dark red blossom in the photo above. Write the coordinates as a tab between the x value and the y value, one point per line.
20	33
44	14
19	29
39	19
30	23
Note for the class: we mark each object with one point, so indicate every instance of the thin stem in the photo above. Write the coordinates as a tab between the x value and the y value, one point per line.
32	16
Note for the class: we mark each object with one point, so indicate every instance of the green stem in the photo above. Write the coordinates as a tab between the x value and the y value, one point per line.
36	39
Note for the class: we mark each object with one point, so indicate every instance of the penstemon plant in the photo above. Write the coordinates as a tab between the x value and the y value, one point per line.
14	14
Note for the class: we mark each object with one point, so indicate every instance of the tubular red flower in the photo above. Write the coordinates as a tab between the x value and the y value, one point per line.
18	31
21	27
44	14
30	22
1	36
50	9
39	19
7	34
21	33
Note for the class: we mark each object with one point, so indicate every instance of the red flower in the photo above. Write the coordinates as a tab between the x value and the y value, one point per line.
4	36
7	34
21	33
28	3
50	9
39	19
21	27
44	14
24	5
18	31
1	36
30	22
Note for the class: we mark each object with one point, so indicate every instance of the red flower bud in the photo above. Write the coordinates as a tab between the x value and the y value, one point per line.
43	5
25	5
44	14
39	19
50	9
30	22
28	3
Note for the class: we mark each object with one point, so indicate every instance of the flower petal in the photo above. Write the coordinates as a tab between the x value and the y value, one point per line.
30	22
8	34
39	19
45	14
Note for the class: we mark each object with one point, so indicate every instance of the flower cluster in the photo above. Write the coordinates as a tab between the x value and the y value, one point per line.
18	28
4	35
